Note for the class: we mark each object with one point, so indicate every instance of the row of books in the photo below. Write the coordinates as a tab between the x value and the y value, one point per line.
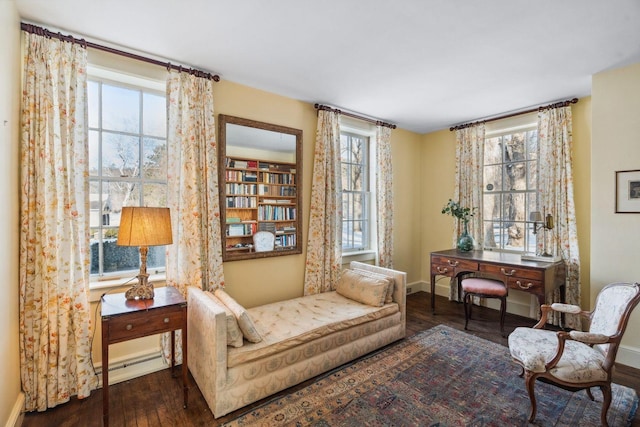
241	229
278	178
242	202
276	213
273	190
285	240
242	164
233	188
260	189
241	176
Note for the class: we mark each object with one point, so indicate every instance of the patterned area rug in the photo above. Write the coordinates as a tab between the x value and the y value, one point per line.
439	377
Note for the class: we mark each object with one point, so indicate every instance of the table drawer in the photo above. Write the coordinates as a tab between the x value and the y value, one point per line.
513	271
449	266
532	286
144	323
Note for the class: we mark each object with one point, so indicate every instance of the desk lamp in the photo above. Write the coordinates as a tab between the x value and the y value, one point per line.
144	227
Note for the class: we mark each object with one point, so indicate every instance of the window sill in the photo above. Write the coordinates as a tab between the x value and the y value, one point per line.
362	256
98	288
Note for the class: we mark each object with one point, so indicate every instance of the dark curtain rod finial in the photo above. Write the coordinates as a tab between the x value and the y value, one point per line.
506	116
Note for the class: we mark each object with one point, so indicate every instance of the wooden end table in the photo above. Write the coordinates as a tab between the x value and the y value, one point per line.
124	320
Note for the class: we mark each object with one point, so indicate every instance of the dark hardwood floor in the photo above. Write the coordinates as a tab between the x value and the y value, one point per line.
156	399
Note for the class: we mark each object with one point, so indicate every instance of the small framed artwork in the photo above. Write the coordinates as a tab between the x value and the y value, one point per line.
628	191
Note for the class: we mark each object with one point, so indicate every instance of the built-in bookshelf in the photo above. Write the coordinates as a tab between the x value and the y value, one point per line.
260	195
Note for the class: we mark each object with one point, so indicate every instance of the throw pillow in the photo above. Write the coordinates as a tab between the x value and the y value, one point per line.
361	288
392	283
234	334
244	320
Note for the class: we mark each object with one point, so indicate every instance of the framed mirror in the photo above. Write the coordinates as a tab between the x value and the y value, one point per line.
260	167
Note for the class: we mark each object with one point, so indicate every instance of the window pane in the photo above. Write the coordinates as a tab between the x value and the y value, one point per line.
155	115
155	195
120	109
120	154
94	152
532	171
493	178
154	158
121	193
492	234
515	176
493	151
532	144
491	207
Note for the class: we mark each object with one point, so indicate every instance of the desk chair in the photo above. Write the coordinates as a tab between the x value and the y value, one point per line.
483	288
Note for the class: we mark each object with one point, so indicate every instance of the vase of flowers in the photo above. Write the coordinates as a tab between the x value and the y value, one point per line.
465	241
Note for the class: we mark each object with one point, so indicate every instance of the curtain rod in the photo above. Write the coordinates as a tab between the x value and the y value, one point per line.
34	29
506	116
355	116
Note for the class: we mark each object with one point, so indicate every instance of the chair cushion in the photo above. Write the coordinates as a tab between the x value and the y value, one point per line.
579	363
484	286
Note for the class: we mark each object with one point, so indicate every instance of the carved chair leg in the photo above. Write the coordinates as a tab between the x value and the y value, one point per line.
530	382
521	371
467	309
503	312
606	402
590	395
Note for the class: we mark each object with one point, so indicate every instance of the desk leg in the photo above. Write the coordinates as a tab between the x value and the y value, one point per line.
185	375
173	353
433	293
105	373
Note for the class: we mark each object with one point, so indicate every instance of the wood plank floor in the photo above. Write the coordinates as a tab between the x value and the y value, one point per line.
156	399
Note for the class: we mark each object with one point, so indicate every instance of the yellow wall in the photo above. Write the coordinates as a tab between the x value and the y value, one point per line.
616	147
10	397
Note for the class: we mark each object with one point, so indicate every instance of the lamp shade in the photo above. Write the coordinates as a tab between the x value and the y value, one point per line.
144	226
535	216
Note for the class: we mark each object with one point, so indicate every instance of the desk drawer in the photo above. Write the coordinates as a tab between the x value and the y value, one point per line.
531	286
144	323
513	272
450	266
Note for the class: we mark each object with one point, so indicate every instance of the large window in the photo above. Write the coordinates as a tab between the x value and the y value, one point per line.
356	195
510	184
127	167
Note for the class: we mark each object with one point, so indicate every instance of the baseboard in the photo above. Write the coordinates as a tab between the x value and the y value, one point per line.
132	366
629	356
17	412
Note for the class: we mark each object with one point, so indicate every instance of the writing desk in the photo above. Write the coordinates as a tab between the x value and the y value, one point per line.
536	278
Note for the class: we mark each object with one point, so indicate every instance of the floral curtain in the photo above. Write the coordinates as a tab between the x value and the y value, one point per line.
556	196
324	244
55	319
384	196
468	185
195	258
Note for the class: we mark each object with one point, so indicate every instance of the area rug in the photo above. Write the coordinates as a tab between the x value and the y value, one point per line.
439	377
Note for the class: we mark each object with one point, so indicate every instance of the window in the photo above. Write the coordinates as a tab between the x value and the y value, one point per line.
127	167
509	189
356	194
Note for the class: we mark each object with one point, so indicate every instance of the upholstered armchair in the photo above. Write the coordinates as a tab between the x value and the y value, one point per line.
263	241
576	360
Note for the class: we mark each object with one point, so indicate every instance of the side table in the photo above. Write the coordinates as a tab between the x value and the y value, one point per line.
124	319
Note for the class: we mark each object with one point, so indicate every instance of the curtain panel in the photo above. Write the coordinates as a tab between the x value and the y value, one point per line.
468	186
195	257
384	197
324	244
556	196
55	328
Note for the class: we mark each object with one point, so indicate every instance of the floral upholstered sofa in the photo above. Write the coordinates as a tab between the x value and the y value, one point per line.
293	340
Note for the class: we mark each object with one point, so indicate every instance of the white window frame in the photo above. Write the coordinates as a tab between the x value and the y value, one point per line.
364	130
521	124
123	79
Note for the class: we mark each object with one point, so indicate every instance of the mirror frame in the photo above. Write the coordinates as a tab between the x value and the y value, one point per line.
223	120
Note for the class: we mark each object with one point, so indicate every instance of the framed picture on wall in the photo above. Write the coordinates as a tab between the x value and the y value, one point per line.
628	191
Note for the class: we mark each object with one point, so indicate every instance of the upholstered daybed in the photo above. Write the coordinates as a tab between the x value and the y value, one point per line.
298	338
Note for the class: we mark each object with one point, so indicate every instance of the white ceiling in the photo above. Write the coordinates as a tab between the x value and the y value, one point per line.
422	64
